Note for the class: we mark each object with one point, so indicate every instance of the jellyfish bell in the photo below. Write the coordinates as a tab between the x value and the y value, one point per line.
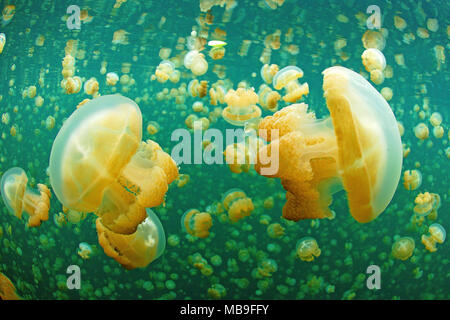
237	204
7	289
196	223
287	78
7	14
403	248
373	59
307	249
412	179
85	250
357	149
136	250
241	107
437	234
99	164
19	198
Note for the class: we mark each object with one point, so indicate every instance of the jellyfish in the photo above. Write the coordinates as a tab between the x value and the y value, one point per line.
266	268
7	14
85	250
120	37
437	235
111	78
373	59
18	197
426	203
275	230
421	131
373	39
242	155
241	107
412	179
403	248
307	249
164	71
136	250
198	88
237	204
182	180
357	149
91	87
287	78
75	217
7	289
217	94
268	72
153	127
2	41
195	61
268	98
196	223
99	164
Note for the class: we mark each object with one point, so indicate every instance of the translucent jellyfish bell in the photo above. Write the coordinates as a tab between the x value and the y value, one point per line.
307	249
136	250
357	149
237	204
196	223
403	248
19	198
241	107
99	164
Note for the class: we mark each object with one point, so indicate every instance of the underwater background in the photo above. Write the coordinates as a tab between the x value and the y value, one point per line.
313	35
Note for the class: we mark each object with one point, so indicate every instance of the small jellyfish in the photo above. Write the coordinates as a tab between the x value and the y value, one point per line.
217	94
217	52
421	131
307	249
412	179
373	59
198	88
74	216
91	87
120	37
99	164
164	71
153	128
275	230
84	251
136	250
7	289
373	39
217	291
111	78
241	107
240	156
268	98
237	204
403	248
182	180
348	150
7	14
437	235
196	223
426	203
2	41
19	198
196	62
71	84
287	78
268	72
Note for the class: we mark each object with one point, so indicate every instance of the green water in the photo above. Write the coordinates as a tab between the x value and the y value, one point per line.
37	266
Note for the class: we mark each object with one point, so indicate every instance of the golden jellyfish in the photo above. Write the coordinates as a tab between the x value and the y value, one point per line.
136	250
182	180
268	72
19	198
387	93
84	251
71	84
287	78
91	87
373	59
421	131
275	230
240	156
153	127
268	98
217	94
75	217
195	61
426	203
373	39
198	88
120	37
439	53
438	132
437	235
403	248
399	23
237	204
99	164
377	76
241	107
412	179
111	78
164	71
436	119
217	52
196	223
307	249
2	41
7	289
357	149
7	14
